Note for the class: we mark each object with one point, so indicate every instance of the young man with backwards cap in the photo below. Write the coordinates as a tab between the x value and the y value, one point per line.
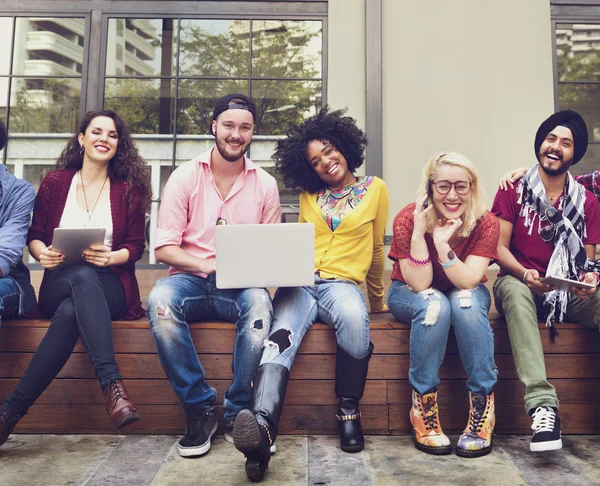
220	186
549	225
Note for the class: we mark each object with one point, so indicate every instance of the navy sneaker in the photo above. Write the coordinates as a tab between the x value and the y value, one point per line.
201	426
546	430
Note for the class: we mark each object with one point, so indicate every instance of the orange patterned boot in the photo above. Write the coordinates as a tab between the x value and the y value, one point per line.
477	437
427	430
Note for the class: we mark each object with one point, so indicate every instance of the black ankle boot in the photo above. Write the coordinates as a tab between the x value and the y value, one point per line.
255	429
350	379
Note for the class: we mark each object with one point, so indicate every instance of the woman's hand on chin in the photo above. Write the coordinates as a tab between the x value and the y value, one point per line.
442	232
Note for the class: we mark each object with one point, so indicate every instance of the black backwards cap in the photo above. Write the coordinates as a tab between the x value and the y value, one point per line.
224	104
569	119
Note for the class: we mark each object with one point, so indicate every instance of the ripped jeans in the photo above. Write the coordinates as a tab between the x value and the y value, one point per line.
431	313
335	302
182	298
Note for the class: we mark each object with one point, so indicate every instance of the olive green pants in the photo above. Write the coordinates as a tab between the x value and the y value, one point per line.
522	309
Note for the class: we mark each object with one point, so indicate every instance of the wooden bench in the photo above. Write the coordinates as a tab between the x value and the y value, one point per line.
74	404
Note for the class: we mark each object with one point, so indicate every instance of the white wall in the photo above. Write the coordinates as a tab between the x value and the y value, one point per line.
474	76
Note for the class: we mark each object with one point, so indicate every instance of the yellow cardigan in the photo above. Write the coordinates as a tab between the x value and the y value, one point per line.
354	251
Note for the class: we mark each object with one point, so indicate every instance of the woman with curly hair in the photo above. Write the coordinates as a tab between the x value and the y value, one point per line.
101	182
318	159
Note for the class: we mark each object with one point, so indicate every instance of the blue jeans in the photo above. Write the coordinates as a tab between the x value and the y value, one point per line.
183	298
431	313
336	302
9	298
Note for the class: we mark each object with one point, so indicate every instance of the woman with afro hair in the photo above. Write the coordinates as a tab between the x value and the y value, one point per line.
101	182
318	159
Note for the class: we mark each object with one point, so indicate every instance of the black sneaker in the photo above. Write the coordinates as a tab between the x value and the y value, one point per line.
546	430
7	424
201	426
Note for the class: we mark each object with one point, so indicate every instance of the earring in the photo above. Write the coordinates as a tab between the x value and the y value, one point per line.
82	150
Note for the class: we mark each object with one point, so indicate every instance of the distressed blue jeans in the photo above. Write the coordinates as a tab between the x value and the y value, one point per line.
183	298
9	298
431	313
335	302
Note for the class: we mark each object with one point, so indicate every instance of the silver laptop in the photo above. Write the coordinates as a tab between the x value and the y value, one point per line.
265	255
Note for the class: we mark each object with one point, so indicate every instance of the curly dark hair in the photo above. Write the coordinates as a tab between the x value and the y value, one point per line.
127	164
331	126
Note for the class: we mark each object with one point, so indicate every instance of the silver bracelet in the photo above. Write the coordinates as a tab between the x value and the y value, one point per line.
525	275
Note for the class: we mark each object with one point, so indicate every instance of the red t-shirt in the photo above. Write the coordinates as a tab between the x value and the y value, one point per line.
530	250
483	241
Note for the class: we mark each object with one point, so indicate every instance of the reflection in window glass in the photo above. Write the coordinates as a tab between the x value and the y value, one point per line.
196	101
145	104
140	47
578	52
219	48
48	46
282	103
286	49
6	27
44	105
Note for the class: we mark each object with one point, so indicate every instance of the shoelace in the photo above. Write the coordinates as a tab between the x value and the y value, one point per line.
543	419
117	392
429	417
479	406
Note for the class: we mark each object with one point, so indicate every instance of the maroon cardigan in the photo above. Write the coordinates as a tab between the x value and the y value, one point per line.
128	220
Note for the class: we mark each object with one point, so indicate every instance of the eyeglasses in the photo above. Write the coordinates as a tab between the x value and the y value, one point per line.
444	187
547	233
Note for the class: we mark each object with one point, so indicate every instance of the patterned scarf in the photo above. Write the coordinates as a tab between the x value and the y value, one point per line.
568	259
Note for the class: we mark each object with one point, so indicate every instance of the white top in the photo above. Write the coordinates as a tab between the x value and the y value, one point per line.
75	217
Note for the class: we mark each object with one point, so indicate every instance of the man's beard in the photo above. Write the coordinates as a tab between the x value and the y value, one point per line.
560	170
221	147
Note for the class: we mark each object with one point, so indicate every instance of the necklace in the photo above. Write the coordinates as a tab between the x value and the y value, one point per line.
90	214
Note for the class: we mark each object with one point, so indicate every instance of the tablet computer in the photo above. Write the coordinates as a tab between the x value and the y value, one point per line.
565	283
72	241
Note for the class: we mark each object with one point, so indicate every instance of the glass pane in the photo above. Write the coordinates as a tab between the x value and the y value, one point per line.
585	99
146	105
286	49
196	101
282	103
48	46
578	52
44	105
219	48
589	163
6	30
3	97
140	47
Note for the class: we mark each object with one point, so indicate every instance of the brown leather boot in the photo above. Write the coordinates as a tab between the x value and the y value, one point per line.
120	410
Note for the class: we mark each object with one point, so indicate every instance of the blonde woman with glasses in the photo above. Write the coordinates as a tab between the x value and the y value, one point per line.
441	249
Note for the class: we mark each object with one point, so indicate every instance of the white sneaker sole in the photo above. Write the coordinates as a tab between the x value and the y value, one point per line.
548	445
197	450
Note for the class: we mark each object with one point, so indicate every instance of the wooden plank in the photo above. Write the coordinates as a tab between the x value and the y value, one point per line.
320	367
170	419
455	392
159	392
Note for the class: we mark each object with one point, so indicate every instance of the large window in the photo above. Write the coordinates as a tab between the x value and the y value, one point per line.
578	81
162	71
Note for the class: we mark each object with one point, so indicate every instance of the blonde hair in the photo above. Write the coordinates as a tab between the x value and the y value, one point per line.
476	205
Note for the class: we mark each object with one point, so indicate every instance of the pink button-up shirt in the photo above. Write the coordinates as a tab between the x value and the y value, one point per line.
191	205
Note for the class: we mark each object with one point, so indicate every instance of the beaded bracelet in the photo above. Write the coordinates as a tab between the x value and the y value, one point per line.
418	263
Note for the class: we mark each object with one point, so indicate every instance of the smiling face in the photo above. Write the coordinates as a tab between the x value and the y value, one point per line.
451	205
557	151
100	139
328	163
233	133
